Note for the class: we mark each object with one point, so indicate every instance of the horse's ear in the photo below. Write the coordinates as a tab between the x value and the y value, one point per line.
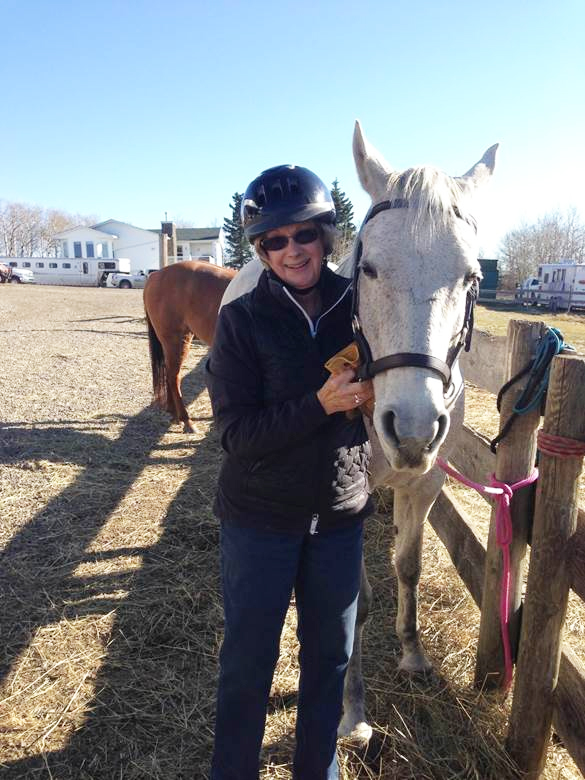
372	168
482	170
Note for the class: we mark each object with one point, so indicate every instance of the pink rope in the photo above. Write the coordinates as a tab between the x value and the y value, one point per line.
502	494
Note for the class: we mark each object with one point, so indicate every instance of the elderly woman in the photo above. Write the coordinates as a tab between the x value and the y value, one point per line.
293	490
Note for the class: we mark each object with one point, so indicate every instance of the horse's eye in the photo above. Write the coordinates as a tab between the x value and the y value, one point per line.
369	271
472	278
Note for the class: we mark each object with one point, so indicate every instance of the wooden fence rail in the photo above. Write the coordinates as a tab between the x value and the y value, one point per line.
487	366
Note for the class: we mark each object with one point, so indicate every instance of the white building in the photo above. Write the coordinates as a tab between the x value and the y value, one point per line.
146	249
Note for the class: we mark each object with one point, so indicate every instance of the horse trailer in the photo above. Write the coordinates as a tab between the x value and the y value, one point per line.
561	285
71	272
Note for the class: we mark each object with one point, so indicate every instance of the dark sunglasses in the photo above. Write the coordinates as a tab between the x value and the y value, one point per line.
275	243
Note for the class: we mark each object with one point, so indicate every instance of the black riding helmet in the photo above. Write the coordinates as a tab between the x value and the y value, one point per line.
285	195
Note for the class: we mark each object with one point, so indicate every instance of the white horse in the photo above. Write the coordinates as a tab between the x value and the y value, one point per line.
415	271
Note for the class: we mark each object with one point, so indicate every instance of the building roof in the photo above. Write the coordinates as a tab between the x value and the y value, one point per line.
198	234
195	234
87	229
121	222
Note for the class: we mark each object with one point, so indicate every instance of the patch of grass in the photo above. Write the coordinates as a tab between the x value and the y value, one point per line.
495	321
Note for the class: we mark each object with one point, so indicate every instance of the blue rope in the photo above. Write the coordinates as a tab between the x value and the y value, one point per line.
552	343
538	369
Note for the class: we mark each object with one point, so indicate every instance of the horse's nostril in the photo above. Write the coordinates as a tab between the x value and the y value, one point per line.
389	428
442	425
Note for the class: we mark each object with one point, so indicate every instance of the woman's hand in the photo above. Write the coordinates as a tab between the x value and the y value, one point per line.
341	393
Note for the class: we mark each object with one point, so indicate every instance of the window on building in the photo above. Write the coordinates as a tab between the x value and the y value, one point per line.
102	249
65	265
24	265
53	265
39	265
89	249
64	248
545	278
179	251
77	249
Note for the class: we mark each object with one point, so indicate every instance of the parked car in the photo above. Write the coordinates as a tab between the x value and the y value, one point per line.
21	276
126	281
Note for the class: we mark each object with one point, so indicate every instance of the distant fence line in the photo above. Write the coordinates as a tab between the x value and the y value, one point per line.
553	300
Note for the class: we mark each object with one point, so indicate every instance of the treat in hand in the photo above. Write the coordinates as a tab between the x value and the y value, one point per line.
349	357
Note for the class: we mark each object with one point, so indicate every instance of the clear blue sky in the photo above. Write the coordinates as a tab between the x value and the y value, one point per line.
128	109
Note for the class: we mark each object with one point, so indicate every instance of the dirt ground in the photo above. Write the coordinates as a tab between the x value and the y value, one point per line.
110	611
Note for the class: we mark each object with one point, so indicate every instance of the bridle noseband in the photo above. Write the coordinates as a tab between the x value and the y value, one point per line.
370	367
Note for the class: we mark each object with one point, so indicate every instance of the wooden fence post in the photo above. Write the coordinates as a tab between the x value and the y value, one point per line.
555	522
514	461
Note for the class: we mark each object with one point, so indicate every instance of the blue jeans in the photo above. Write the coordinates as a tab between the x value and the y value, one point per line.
260	569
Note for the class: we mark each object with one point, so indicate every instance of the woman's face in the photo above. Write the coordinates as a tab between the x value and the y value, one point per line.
298	263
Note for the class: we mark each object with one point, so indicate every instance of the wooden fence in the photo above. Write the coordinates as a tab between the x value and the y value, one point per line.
549	683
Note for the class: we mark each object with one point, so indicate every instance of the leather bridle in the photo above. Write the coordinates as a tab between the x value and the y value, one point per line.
370	367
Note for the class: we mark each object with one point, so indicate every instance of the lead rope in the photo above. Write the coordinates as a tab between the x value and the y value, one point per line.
551	343
502	494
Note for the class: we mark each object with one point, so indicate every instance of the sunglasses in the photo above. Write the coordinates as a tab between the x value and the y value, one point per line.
275	243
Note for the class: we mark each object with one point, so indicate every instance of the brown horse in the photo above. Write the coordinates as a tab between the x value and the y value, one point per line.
181	301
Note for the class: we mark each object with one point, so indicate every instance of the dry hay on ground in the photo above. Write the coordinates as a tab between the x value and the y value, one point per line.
111	613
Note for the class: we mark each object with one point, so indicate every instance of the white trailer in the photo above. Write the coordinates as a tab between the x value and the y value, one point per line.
561	285
71	272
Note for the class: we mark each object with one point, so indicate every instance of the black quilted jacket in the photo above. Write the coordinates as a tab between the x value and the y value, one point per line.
287	466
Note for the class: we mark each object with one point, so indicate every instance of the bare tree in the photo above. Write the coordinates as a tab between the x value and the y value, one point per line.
554	237
28	231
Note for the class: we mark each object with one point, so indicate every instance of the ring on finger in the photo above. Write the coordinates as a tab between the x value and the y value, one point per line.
357	399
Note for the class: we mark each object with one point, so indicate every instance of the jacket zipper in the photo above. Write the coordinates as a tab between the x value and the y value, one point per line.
313	328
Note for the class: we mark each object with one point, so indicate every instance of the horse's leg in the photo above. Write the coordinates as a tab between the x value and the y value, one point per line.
354	717
175	353
411	508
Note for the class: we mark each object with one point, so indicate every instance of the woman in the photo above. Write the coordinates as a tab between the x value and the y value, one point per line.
292	493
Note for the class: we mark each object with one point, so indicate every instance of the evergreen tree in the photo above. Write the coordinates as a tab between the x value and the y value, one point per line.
345	223
238	249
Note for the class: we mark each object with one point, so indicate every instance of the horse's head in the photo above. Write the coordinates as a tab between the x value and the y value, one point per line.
416	272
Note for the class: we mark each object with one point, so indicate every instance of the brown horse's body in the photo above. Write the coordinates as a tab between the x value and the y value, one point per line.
181	301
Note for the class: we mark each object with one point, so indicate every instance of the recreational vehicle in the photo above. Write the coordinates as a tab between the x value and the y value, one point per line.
76	272
561	285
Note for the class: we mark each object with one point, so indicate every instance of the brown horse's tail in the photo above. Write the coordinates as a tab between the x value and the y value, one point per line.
157	361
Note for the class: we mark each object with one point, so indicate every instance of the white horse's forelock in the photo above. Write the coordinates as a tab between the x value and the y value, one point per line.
432	198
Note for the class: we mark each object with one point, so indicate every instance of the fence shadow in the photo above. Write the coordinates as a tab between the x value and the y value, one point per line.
154	693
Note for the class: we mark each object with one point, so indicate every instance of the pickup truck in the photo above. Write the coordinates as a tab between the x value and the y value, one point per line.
16	275
126	281
527	292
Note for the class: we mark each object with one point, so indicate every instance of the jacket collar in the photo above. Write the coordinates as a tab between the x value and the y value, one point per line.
332	287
